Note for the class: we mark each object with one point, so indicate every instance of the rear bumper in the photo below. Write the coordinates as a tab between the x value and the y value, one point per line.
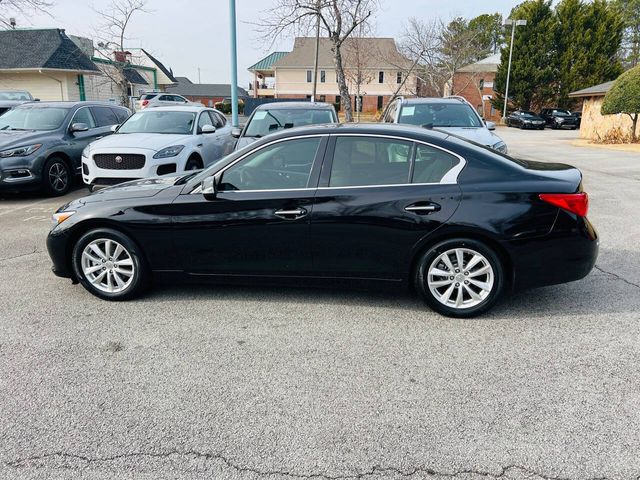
566	254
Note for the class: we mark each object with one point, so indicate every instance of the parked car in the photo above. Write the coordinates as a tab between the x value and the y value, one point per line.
559	118
160	99
41	142
525	119
272	117
341	204
13	98
450	114
578	116
158	141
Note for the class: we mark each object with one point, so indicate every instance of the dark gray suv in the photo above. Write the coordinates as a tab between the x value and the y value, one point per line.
41	143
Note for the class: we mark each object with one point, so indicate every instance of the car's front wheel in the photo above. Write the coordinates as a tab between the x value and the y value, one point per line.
109	264
56	177
460	277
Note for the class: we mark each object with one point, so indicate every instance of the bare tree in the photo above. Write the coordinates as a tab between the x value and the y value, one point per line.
338	20
9	8
112	33
358	71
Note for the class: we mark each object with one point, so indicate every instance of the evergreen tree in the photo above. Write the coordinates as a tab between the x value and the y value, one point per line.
489	33
630	12
532	66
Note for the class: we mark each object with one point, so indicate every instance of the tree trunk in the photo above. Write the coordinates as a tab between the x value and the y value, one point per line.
345	99
634	120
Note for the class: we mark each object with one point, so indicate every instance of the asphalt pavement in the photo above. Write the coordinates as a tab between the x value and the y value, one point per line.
281	383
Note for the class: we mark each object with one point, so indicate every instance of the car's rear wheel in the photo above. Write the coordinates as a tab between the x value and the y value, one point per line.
109	264
460	277
56	176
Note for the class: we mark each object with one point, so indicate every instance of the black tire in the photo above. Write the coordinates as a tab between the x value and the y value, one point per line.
139	279
428	257
194	163
509	124
57	177
522	126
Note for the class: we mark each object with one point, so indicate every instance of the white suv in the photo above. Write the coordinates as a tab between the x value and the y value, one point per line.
160	99
158	141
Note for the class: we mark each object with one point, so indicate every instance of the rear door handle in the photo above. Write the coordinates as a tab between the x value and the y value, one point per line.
423	209
292	214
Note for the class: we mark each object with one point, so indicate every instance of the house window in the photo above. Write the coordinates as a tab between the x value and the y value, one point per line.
323	98
308	76
338	99
481	84
380	102
323	76
399	77
336	77
380	77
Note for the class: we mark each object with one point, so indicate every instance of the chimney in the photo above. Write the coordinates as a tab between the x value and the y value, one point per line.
122	57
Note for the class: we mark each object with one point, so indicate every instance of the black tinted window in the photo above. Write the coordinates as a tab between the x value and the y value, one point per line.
121	114
361	161
104	116
282	166
432	164
218	119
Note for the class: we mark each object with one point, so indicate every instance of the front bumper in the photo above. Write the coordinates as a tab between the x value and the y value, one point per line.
57	246
99	177
18	173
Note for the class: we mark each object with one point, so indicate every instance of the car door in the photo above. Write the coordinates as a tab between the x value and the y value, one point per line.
208	143
258	222
223	132
105	119
378	200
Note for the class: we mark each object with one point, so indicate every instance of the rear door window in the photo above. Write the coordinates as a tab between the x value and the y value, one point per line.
104	116
432	164
361	161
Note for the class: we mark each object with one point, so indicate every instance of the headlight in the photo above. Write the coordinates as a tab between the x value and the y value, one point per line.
171	151
500	147
20	151
85	152
59	217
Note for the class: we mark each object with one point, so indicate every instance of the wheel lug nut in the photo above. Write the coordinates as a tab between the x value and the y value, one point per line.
457	271
450	278
457	284
466	282
466	273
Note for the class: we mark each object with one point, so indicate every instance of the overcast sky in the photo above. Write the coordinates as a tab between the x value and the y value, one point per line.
187	34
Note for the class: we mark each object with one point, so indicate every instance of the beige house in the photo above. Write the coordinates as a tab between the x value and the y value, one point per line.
374	68
595	126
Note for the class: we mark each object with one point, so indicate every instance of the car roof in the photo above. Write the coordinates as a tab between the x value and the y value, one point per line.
295	105
179	108
71	104
439	100
388	129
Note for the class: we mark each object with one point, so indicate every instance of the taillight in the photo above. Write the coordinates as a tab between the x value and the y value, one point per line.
145	103
577	203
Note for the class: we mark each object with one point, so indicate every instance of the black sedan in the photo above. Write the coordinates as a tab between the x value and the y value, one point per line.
387	205
525	120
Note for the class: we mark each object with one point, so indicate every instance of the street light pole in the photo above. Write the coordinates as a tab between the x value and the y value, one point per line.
513	24
315	62
234	64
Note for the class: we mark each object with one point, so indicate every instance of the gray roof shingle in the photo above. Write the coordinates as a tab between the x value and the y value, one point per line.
49	49
133	76
595	91
188	88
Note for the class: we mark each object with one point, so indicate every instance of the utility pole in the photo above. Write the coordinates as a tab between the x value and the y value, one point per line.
234	64
315	62
514	24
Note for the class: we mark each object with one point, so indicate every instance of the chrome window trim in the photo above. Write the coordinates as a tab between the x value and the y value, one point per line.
450	178
74	116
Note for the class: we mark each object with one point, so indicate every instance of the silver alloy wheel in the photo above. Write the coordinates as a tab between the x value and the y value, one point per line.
107	265
58	176
460	278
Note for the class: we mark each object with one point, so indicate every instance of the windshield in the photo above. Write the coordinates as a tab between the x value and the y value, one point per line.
529	114
562	113
159	121
264	122
9	95
33	118
440	115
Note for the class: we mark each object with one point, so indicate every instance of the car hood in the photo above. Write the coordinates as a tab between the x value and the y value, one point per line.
150	141
479	135
146	187
19	138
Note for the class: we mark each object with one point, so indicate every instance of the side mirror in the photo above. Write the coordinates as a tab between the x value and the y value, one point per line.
114	128
491	125
209	187
79	127
236	132
208	129
36	99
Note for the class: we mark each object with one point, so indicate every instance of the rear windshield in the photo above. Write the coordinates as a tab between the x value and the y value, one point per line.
148	96
437	115
264	122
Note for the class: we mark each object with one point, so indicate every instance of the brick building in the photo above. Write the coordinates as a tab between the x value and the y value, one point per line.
373	67
475	83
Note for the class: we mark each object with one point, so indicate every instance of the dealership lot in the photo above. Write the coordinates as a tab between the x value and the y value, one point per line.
234	382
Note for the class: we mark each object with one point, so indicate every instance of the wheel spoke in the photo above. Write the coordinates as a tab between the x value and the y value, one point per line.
460	296
483	285
473	294
460	258
109	281
128	273
447	261
127	262
98	278
93	269
473	262
98	252
447	295
90	257
439	273
481	271
440	283
107	248
118	280
117	252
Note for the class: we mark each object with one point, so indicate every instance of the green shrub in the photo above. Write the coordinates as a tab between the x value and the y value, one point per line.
624	97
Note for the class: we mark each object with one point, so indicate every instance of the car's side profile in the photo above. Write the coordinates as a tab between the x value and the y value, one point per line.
41	142
525	120
158	141
348	204
161	99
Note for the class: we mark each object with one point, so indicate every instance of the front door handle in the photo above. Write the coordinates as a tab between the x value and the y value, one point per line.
292	214
423	209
